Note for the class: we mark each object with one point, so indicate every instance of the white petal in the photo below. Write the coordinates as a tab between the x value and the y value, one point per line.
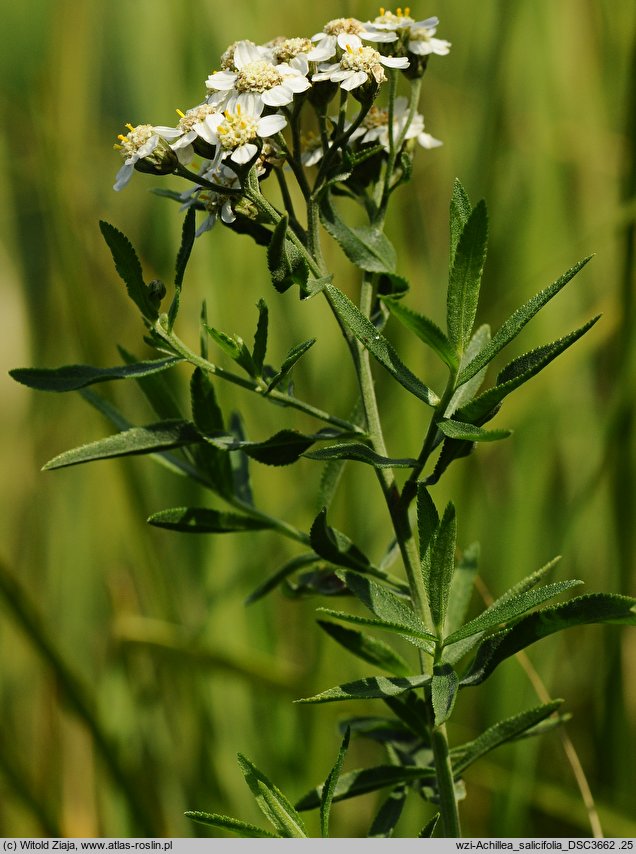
206	225
249	103
167	133
123	176
278	96
223	80
148	147
346	40
420	47
371	36
354	80
227	214
300	63
428	141
207	129
395	61
427	24
440	46
246	52
297	84
269	125
244	153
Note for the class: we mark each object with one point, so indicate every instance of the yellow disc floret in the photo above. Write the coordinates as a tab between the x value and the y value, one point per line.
258	76
237	129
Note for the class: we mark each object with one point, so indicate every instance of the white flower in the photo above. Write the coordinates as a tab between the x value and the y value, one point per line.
312	151
419	35
216	203
236	131
375	127
358	64
327	40
141	142
187	130
274	85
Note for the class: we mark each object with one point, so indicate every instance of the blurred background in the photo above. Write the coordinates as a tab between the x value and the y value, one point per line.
132	672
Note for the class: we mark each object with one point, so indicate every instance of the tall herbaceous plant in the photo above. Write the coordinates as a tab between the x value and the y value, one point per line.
291	139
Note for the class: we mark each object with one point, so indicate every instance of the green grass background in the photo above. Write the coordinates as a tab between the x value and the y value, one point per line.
103	618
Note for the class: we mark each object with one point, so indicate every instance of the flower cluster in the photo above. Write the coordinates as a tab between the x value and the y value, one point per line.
267	106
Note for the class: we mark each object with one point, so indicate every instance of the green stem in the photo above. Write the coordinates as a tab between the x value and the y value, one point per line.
179	347
445	784
203	182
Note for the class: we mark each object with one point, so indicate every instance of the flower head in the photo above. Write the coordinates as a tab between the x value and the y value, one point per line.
375	127
144	149
417	35
358	64
327	40
237	131
186	133
255	74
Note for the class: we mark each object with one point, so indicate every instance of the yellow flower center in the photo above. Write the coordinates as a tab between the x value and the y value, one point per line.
134	139
236	129
194	116
360	59
289	48
343	25
375	118
258	76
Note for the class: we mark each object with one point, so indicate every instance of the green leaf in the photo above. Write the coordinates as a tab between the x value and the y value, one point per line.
365	780
592	608
260	337
444	685
281	449
235	348
518	372
273	804
366	247
507	730
287	569
515	323
367	648
73	377
204	520
329	787
240	463
420	639
460	210
378	345
464	393
335	546
469	432
429	829
292	357
427	518
208	418
465	277
385	604
389	814
129	269
287	266
462	587
412	711
370	688
241	828
360	453
137	440
438	566
504	610
183	256
427	331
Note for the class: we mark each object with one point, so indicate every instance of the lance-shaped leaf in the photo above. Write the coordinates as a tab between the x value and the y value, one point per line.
593	608
365	780
225	822
385	604
183	256
329	787
444	686
465	392
379	347
462	586
389	814
235	348
426	330
204	520
505	610
208	418
429	829
370	688
427	518
73	377
465	278
287	266
366	247
150	439
515	323
281	449
469	432
260	337
460	210
360	453
129	269
368	648
438	565
292	357
507	730
518	372
418	637
335	546
272	802
287	569
378	729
